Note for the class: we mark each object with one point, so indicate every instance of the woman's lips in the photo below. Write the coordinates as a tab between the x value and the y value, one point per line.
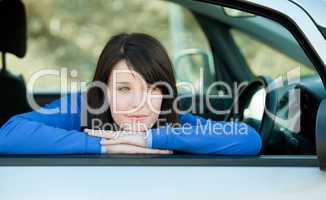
137	117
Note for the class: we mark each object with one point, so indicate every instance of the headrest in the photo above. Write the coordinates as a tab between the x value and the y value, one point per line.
13	27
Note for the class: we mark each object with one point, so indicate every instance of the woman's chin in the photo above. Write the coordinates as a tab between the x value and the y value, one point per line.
135	127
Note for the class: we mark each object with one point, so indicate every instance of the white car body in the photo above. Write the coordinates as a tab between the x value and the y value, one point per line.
263	178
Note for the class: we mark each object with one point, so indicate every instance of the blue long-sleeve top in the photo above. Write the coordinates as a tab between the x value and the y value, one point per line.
59	133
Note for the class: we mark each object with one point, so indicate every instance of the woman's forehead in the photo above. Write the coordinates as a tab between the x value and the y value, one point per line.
122	72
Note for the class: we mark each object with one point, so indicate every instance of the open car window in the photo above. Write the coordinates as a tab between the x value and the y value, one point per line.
67	41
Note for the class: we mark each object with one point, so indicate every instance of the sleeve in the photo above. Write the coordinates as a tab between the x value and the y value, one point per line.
48	133
201	136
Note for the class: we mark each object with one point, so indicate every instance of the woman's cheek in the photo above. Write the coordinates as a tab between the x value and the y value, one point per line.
123	102
118	107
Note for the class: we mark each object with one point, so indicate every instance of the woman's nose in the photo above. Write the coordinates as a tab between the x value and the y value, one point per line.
138	100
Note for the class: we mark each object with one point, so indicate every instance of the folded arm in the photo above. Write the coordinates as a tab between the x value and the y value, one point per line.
201	136
37	133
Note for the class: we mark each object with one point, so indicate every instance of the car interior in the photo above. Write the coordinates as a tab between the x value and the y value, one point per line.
278	127
13	41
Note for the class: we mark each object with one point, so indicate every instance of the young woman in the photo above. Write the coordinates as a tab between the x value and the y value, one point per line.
128	108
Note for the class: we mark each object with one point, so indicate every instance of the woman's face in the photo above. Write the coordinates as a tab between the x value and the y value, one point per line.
134	104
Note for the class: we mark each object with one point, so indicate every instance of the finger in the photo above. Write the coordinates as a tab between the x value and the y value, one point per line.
112	141
101	133
130	149
131	140
142	150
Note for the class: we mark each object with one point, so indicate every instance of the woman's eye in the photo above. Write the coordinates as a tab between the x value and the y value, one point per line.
154	90
123	89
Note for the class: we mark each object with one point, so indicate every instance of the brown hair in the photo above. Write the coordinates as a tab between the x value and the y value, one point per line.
144	54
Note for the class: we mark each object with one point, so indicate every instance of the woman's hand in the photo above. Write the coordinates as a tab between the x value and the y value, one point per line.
125	142
132	149
119	137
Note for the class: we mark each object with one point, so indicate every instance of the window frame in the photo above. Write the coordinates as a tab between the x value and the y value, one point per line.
189	160
160	160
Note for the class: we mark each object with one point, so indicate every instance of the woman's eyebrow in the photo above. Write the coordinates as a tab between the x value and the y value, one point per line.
123	82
